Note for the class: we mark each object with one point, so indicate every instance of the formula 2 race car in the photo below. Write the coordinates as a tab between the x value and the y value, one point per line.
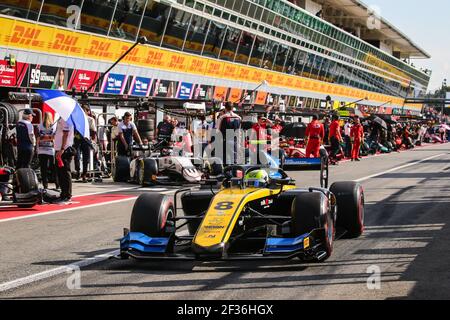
257	213
159	165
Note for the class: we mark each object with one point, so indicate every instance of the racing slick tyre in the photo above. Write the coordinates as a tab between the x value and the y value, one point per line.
310	211
150	214
26	181
350	207
121	169
148	172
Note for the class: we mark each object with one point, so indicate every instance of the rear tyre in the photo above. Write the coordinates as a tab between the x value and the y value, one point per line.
350	207
26	181
310	211
121	169
150	214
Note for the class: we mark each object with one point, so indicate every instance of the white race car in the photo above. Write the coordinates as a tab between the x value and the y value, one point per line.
164	165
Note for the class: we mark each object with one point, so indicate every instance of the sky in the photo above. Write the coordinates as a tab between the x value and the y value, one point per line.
427	23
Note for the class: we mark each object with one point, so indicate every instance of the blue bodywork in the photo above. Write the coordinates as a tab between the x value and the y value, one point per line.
143	243
303	161
147	245
285	245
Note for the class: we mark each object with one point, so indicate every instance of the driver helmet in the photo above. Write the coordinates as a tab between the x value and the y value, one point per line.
257	178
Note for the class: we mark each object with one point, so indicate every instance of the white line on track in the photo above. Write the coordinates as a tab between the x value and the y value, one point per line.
55	272
399	168
14	284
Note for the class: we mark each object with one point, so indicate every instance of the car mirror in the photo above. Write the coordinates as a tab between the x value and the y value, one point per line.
283	182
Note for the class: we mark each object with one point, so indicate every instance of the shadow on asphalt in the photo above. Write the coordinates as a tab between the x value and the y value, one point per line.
422	218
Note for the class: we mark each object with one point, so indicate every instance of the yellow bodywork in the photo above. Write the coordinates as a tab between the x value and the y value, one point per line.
224	212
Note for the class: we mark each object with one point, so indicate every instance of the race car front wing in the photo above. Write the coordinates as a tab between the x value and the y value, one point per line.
143	247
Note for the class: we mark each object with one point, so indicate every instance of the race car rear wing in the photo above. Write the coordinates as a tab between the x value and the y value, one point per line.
310	164
304	164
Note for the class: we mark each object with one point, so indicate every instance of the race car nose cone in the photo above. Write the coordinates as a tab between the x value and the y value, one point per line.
219	250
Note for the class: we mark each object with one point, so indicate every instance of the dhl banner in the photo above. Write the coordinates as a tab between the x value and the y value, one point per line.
63	42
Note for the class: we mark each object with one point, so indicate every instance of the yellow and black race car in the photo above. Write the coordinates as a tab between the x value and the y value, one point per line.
256	213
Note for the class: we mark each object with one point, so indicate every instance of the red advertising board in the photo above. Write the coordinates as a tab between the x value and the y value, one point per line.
12	76
82	80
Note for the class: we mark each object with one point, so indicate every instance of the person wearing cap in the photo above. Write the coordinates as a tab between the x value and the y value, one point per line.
315	133
26	140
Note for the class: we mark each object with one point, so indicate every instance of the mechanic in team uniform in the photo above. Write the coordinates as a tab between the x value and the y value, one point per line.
335	139
277	127
315	133
227	122
127	130
26	139
357	136
258	138
165	130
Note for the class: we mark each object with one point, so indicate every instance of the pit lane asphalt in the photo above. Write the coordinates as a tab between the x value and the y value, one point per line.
407	237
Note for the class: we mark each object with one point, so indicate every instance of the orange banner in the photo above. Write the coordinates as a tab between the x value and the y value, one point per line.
261	98
235	95
220	93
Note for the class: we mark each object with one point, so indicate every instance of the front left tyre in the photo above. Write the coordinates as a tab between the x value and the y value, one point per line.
150	214
310	211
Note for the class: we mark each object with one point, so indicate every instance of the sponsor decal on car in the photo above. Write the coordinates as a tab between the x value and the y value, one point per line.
266	203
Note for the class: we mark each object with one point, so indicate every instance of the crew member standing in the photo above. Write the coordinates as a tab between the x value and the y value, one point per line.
357	136
228	124
26	140
335	139
65	152
315	133
348	143
165	130
127	130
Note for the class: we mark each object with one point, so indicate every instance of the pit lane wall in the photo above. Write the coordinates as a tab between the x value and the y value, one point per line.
41	44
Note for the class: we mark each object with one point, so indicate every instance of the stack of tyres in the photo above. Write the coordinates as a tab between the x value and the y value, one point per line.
146	128
12	113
